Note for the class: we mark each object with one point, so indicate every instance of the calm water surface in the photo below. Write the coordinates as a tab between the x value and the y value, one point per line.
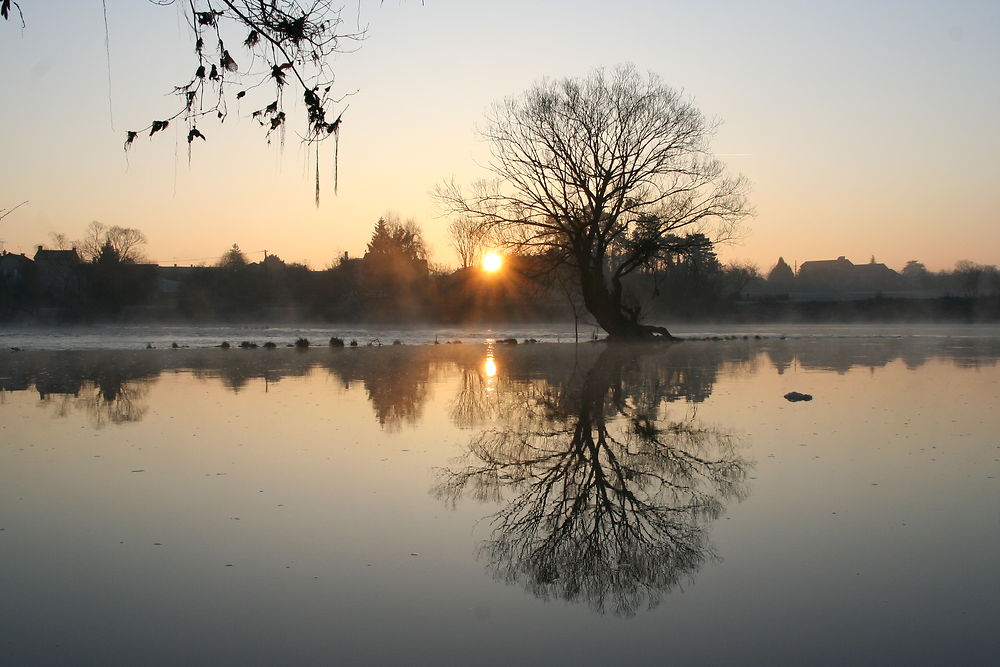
537	504
138	336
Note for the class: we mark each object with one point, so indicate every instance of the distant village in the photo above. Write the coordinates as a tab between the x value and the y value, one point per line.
106	278
842	280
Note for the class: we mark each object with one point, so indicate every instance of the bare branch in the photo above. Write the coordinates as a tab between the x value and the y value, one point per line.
601	173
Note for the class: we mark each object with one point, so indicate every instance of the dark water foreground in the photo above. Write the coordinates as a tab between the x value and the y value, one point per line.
543	504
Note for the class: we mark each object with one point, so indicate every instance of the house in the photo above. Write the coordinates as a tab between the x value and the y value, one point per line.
57	273
843	277
15	269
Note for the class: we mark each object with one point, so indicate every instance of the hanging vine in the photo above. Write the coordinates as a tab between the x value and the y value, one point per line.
287	43
256	50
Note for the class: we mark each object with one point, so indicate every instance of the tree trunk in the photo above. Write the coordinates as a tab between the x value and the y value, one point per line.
606	306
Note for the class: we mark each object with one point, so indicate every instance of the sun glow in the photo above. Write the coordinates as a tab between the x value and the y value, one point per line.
492	261
490	369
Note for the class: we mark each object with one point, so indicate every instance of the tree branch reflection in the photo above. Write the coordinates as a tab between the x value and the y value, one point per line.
605	499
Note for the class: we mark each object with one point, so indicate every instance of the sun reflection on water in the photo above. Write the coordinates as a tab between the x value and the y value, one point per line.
490	369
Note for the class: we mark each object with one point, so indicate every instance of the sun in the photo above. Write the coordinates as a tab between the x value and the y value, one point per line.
492	261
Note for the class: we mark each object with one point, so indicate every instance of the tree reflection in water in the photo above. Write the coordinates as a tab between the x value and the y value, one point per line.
604	500
107	400
117	401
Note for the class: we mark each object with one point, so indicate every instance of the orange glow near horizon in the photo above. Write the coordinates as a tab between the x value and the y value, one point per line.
492	262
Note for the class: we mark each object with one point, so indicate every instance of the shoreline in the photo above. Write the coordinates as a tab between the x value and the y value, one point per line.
149	338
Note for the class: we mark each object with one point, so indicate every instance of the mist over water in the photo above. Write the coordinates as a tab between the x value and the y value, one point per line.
133	337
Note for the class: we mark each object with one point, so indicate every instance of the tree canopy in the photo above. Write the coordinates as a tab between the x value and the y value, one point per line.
601	173
110	244
234	258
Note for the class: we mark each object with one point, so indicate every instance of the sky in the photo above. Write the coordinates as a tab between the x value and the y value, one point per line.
866	128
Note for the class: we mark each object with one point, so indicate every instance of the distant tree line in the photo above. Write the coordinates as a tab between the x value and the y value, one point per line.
103	276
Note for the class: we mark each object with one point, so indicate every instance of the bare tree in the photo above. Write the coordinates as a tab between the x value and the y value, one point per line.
121	243
469	239
60	241
600	174
740	274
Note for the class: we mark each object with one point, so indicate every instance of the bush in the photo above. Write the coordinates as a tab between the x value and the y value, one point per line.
301	342
336	342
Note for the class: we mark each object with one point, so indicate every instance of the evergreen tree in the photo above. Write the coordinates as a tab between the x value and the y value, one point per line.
382	243
781	274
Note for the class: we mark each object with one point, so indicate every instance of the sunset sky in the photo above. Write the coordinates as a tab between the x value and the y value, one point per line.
865	128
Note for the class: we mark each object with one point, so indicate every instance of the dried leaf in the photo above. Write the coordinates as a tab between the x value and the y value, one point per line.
228	63
240	95
195	133
200	72
252	39
214	75
278	75
129	138
158	125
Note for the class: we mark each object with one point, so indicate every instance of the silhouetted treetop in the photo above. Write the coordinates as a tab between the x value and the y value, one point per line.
111	244
233	258
601	173
394	239
781	273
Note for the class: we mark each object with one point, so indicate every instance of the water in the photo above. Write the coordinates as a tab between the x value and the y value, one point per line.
138	336
135	337
494	504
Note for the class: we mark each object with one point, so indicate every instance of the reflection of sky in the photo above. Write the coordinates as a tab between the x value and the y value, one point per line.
859	500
